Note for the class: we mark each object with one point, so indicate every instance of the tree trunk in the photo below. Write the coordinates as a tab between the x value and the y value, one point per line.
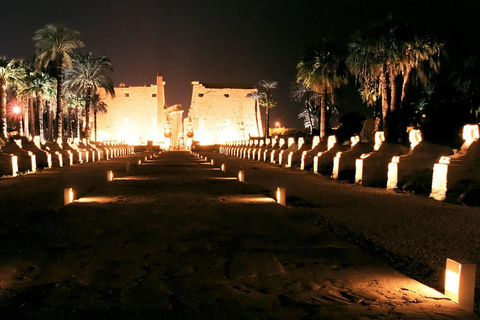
40	119
87	114
406	84
3	108
59	114
385	104
31	117
256	119
323	111
95	123
267	120
79	127
49	121
69	123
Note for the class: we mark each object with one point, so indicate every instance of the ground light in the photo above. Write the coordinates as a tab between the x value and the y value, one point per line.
67	196
109	176
223	167
212	162
460	283
281	196
241	176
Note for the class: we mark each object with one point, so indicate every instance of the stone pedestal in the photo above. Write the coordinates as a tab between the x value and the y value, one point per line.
344	162
295	157
306	162
323	161
405	170
371	168
26	160
459	170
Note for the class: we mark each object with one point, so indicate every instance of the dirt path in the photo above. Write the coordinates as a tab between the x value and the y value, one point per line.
177	238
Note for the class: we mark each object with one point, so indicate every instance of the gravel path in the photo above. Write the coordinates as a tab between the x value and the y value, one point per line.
411	233
176	238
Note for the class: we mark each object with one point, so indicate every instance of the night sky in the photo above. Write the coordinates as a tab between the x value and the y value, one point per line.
223	41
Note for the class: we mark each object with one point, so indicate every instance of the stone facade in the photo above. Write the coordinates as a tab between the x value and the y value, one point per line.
135	115
219	114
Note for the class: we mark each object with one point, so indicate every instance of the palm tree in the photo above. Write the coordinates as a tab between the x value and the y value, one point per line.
98	106
38	85
301	93
322	72
256	96
55	46
267	101
381	59
89	74
10	74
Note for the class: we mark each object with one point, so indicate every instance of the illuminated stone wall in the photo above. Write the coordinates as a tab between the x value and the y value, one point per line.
135	115
223	114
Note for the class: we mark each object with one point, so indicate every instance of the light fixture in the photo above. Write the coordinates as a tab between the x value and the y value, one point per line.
67	196
460	283
281	196
241	176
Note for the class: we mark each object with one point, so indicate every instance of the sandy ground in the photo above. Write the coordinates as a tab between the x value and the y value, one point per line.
176	238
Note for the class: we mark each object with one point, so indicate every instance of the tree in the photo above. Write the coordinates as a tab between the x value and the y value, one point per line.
384	57
39	85
98	106
466	80
256	96
310	112
87	75
267	101
323	73
55	46
10	74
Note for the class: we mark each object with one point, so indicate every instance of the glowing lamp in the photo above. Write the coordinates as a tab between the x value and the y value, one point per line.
146	159
67	196
281	196
109	176
212	162
14	166
241	176
460	283
139	162
224	169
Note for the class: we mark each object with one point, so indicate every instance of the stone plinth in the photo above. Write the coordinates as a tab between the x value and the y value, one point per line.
26	160
306	161
275	154
323	161
421	157
460	169
344	162
371	168
43	158
8	164
295	157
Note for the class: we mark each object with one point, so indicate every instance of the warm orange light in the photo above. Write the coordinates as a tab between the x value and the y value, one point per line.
67	196
16	109
281	196
460	283
109	176
277	124
241	176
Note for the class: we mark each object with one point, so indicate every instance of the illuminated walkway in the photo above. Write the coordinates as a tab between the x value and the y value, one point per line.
176	238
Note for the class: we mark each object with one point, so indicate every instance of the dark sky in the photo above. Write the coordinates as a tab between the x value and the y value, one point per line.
218	41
